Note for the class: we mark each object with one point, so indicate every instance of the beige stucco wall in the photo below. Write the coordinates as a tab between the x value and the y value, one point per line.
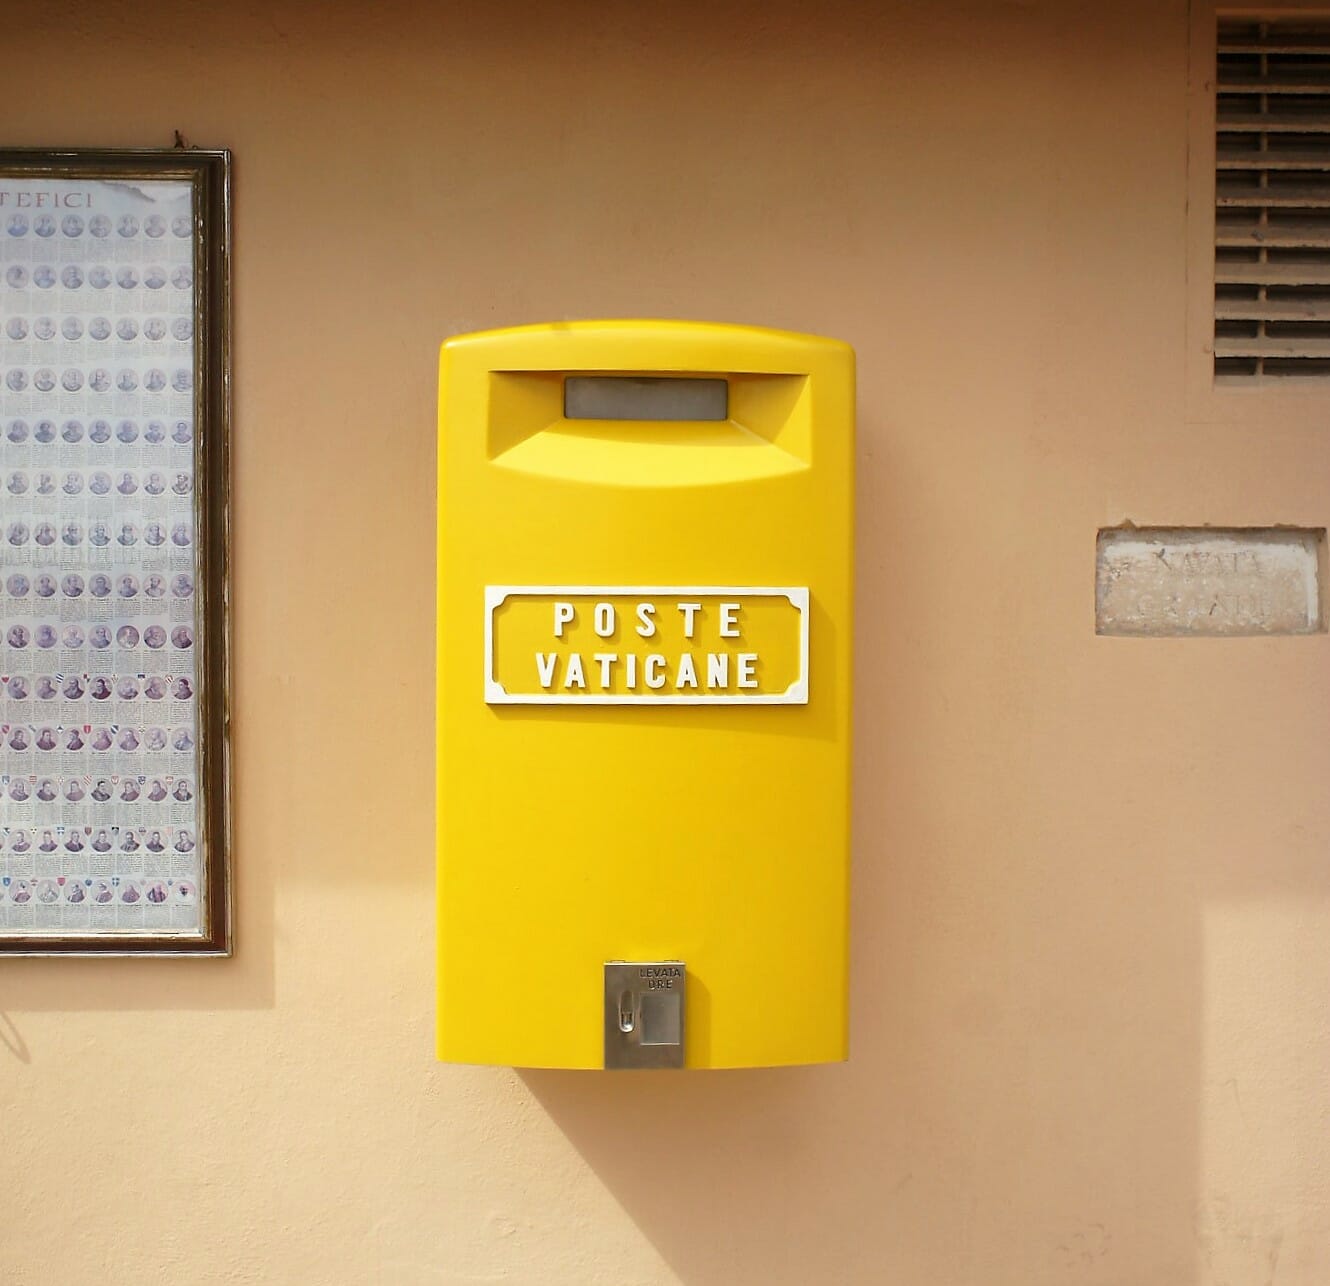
1091	930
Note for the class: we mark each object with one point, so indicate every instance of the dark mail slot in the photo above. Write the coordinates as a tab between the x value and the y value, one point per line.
652	397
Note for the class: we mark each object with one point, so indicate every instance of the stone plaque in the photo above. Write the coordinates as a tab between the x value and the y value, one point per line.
1170	581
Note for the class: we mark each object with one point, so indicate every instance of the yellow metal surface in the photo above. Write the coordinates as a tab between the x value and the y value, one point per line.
712	827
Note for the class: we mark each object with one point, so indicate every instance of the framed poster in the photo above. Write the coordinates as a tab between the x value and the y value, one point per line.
114	409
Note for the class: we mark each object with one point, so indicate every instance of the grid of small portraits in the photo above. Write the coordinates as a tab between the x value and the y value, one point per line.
99	809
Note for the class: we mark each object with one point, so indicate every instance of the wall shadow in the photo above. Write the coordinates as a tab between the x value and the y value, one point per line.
1024	1011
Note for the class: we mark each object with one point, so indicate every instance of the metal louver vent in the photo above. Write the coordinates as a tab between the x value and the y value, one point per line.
1272	201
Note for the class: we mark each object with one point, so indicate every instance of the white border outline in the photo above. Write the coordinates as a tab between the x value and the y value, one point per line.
497	695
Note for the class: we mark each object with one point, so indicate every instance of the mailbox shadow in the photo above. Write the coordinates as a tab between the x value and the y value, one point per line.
724	1170
1025	995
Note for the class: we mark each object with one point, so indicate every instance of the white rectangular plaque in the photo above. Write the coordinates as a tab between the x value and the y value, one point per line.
645	645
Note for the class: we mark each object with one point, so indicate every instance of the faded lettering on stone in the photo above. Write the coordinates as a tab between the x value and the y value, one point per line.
1177	581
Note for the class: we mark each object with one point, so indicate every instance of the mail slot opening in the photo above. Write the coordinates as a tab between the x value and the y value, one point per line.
645	397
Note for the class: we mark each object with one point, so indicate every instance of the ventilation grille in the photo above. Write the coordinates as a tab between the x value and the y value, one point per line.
1272	201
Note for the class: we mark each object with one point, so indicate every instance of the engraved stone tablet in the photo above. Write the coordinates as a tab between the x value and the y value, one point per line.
1162	581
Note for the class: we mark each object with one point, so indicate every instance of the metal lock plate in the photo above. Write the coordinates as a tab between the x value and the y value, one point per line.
644	1013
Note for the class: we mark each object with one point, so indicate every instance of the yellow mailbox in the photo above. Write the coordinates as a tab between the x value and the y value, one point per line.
644	621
